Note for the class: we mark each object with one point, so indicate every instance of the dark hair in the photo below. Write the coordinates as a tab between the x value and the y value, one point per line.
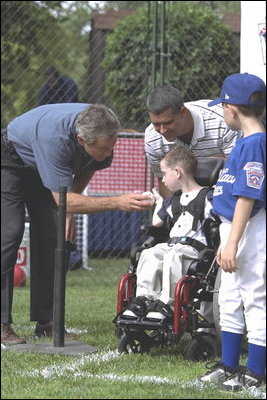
164	97
257	111
51	71
183	157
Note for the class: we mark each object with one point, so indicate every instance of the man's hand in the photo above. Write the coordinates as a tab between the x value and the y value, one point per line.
134	202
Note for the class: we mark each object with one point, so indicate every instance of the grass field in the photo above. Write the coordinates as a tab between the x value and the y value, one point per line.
105	374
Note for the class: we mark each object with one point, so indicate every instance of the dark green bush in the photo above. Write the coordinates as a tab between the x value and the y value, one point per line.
201	52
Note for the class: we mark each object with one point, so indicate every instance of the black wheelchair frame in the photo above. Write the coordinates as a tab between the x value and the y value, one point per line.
141	334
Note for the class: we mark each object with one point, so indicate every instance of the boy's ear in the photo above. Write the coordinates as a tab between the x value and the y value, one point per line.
232	108
178	171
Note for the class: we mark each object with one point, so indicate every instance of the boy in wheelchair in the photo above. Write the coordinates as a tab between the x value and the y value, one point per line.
161	266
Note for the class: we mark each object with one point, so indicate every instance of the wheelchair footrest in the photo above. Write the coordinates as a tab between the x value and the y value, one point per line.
143	322
150	323
206	325
122	320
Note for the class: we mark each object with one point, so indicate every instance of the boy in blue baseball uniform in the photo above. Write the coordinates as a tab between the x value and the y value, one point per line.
240	201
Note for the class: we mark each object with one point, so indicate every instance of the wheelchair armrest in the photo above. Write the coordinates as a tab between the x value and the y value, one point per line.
202	265
210	227
136	250
160	233
155	235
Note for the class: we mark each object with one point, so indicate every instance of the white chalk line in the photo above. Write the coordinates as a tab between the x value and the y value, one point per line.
60	370
71	371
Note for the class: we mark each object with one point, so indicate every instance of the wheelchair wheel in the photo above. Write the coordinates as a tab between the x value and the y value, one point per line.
216	314
202	347
134	342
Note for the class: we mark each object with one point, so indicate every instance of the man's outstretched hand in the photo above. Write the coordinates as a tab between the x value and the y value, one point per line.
134	202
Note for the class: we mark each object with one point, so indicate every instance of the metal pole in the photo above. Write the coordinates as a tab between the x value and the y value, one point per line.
162	44
154	43
60	273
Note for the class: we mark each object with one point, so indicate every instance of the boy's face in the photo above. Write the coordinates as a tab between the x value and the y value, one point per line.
170	176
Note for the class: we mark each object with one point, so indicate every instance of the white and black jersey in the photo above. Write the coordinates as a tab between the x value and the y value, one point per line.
211	136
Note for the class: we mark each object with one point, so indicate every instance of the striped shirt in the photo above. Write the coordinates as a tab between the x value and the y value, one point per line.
211	137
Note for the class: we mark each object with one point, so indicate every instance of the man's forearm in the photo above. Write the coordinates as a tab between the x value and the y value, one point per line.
80	204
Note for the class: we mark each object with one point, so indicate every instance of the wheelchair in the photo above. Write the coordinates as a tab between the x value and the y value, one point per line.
198	285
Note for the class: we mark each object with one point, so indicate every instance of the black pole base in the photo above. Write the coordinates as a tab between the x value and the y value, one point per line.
71	348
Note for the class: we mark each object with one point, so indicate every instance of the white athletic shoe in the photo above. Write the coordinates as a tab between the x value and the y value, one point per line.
129	313
243	379
217	373
155	315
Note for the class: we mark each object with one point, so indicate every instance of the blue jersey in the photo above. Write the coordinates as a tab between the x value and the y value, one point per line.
45	139
243	175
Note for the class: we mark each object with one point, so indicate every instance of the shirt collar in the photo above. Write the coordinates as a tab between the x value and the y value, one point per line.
198	123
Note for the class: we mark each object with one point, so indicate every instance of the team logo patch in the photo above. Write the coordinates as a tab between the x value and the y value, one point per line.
218	190
255	174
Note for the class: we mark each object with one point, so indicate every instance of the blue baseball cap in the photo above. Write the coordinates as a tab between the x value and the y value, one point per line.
238	88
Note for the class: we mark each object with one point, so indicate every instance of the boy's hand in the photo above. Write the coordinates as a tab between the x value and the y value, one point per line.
156	194
226	258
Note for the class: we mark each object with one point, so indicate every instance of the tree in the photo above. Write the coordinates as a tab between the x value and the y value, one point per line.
27	27
35	35
200	51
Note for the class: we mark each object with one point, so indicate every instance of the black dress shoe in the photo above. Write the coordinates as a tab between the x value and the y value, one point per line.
47	330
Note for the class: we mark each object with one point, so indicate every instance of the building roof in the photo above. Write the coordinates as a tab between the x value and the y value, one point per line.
233	20
107	20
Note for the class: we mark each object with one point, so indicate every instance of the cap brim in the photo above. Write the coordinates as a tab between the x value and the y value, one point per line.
214	102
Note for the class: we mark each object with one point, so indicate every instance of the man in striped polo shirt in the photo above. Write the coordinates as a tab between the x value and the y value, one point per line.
192	124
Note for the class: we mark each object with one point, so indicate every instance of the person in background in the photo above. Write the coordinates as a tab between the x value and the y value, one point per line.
240	201
194	125
48	147
57	88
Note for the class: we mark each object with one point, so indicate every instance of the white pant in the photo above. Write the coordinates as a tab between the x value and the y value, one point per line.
160	267
242	296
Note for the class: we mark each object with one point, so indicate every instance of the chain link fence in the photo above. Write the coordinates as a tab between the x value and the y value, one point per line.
115	58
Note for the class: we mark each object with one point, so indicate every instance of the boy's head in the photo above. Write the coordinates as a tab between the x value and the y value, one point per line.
246	91
176	166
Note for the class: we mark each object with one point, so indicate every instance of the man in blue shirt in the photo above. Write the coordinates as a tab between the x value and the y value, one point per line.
58	88
48	147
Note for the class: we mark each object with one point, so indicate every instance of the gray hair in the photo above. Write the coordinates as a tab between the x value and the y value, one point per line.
97	121
163	97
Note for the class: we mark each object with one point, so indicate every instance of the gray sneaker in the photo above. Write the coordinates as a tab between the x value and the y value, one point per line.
217	373
243	379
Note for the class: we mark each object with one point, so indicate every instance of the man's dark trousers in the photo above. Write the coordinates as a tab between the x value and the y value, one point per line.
21	185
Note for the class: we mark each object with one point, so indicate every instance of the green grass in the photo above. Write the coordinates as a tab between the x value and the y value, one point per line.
90	307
